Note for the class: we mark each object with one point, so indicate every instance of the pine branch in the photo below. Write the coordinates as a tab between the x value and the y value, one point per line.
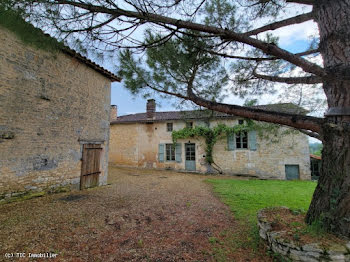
292	120
267	48
290	21
308	52
258	59
309	80
304	2
299	122
310	133
90	28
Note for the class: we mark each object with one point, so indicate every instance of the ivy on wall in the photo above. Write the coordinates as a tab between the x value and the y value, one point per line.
211	135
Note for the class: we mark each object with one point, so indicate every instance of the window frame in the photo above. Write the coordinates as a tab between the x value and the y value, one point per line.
242	141
170	124
171	150
189	125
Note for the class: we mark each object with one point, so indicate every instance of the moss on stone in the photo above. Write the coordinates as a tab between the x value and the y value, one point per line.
26	32
25	195
60	189
22	196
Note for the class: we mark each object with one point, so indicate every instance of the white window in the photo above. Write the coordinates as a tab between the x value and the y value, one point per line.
170	152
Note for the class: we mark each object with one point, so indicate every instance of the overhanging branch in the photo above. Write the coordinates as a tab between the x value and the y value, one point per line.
310	133
304	2
258	59
309	80
292	120
290	21
299	122
308	52
267	48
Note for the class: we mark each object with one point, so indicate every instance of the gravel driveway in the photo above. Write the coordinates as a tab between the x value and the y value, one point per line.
142	215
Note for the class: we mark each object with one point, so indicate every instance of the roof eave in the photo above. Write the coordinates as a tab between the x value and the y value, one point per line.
92	64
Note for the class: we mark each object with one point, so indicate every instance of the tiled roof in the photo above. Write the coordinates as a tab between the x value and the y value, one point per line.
201	114
315	157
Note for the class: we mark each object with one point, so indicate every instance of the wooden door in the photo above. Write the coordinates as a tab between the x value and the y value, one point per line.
292	172
91	165
190	161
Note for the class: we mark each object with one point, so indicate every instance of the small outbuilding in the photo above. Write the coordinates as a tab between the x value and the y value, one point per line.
54	116
315	165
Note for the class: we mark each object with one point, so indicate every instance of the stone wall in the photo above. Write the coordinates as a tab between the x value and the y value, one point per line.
50	104
136	144
311	252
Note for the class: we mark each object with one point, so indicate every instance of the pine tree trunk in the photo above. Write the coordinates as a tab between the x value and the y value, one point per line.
331	201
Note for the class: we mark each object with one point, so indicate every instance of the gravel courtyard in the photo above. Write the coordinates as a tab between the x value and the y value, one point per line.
142	215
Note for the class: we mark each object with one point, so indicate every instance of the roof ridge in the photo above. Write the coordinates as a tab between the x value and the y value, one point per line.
63	47
198	114
176	111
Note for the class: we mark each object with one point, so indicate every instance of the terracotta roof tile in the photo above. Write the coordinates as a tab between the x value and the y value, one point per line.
315	157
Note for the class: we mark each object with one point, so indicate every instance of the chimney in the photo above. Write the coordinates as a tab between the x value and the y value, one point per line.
151	108
113	113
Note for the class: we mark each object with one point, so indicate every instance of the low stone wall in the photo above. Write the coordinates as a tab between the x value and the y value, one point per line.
292	251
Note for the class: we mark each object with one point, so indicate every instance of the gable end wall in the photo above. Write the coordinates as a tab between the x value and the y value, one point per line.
49	105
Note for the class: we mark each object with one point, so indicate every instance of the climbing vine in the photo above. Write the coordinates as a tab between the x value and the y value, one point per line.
211	135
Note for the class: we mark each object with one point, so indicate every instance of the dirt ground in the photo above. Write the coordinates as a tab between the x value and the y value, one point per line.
142	215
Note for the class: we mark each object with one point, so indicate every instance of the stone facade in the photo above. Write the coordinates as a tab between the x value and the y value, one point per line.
137	144
50	105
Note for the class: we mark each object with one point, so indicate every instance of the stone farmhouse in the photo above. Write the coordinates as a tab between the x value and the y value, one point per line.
144	140
54	118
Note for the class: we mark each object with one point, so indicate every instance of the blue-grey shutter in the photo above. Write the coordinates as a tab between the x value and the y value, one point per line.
161	152
231	145
178	152
252	140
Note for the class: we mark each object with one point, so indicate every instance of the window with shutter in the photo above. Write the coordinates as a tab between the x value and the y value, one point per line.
231	142
252	140
161	152
178	153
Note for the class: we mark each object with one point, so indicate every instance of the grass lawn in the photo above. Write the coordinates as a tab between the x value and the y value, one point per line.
246	197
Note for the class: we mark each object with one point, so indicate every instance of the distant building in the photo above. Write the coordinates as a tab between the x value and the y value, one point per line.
315	165
144	140
54	118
